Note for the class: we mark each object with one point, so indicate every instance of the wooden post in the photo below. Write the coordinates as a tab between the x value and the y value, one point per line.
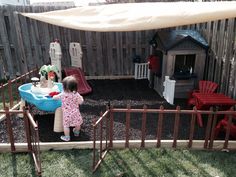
9	84
144	120
107	126
192	125
159	126
208	128
9	130
212	135
111	127
176	127
127	127
94	143
101	132
27	130
228	130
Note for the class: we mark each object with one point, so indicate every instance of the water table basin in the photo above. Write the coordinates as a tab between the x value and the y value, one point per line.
40	96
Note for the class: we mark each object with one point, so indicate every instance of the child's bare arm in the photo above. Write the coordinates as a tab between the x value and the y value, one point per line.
57	97
81	99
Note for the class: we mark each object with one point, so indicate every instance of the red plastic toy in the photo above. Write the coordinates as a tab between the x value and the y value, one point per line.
222	126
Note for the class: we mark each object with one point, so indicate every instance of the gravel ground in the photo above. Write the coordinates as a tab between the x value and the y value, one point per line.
118	93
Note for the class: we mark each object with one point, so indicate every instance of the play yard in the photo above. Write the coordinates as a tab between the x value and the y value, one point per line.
154	81
118	93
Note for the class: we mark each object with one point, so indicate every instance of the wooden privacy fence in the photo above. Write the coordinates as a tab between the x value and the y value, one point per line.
24	43
104	129
31	134
220	63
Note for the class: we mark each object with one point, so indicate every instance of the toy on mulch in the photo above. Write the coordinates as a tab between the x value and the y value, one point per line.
222	126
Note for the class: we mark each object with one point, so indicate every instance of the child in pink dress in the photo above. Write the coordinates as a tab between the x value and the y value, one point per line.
71	100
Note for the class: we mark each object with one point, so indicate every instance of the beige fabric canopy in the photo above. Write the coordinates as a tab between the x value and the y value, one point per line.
137	16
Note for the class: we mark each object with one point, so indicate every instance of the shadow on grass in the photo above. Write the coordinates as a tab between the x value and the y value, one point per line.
143	164
224	162
116	165
16	163
202	171
126	162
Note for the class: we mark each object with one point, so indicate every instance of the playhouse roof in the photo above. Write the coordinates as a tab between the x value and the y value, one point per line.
171	38
137	16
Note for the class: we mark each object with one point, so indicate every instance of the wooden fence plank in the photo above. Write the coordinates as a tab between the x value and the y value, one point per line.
20	45
228	55
233	92
91	61
34	37
218	51
6	45
111	62
25	36
118	50
13	41
100	45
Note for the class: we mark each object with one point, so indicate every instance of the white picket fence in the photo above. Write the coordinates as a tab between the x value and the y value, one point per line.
141	71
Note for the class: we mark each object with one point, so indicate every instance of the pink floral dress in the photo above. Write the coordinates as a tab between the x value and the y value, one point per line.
70	108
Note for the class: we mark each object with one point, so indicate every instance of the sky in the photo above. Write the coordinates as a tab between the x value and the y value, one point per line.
77	2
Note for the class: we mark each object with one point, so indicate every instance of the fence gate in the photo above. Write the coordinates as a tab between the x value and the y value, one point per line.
102	141
32	135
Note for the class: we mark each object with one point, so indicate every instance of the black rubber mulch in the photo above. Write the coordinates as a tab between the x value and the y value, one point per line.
135	91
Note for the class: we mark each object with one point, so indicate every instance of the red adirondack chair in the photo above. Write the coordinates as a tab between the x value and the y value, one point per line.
204	87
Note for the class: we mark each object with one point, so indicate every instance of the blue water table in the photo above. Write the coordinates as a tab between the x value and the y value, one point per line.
38	96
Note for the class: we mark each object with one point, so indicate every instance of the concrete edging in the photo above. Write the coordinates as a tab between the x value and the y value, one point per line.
117	144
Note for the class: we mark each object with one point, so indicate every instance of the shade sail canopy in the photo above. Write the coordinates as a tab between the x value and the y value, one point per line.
137	16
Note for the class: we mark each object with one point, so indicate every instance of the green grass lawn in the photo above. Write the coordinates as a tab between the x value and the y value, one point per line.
135	162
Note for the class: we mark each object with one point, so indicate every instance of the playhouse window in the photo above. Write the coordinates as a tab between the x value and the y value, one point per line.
184	63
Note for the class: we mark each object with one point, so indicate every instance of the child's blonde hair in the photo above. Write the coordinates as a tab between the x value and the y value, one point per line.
70	84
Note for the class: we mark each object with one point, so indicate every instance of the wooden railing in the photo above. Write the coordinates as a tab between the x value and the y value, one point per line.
101	130
9	94
31	134
9	102
105	126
